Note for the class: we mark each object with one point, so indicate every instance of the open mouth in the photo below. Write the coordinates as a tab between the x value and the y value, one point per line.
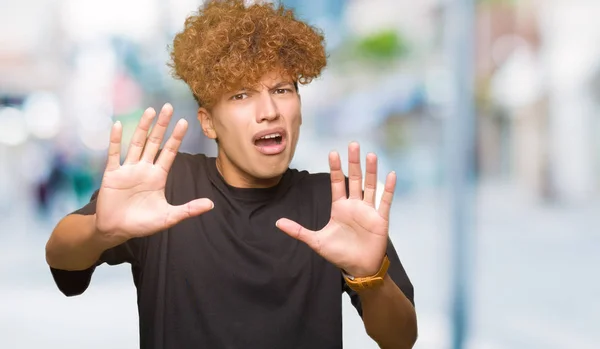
269	140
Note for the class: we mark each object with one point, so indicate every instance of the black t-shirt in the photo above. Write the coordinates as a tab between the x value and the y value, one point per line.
229	278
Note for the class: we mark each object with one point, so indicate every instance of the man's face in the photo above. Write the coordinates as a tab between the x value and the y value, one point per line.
257	129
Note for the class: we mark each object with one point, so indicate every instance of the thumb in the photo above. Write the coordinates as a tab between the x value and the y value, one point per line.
191	209
298	232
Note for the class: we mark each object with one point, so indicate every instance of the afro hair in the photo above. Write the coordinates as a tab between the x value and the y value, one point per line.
227	45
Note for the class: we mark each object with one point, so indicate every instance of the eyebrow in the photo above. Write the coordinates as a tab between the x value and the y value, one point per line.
280	84
274	87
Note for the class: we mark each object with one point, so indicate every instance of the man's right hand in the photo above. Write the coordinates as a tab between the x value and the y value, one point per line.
131	201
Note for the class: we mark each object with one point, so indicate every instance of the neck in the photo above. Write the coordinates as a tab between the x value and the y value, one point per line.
237	178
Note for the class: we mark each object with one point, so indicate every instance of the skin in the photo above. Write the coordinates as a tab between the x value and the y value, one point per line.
239	115
355	239
131	201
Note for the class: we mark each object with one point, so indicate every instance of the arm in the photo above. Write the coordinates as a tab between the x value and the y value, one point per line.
355	239
388	312
129	206
76	244
389	317
76	247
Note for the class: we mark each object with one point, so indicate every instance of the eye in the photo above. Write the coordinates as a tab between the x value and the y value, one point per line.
239	96
282	90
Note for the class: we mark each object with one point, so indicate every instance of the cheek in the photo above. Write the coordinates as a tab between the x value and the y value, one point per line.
294	115
295	128
297	121
233	126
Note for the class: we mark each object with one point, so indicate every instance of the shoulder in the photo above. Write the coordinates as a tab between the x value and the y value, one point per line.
319	181
306	180
187	173
189	159
186	164
310	194
312	187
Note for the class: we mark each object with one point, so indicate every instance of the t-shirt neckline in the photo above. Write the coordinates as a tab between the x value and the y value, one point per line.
247	194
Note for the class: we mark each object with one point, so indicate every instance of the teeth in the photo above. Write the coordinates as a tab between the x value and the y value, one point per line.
272	135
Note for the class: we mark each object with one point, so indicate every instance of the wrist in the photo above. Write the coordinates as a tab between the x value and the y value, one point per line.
105	239
375	280
359	271
375	291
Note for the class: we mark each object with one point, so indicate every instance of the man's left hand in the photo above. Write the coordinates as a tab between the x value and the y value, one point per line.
356	237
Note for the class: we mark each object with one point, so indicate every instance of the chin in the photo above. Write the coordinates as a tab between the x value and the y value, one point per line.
273	171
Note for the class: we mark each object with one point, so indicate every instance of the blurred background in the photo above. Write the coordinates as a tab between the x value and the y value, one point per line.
489	112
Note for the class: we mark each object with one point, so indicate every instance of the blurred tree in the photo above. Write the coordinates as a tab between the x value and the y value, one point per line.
384	45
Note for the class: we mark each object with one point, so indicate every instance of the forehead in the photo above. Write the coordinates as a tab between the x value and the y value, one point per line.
274	77
267	81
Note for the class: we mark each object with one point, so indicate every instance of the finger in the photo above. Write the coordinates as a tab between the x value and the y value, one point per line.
388	194
338	180
300	233
371	179
158	133
139	137
114	148
193	208
354	171
169	152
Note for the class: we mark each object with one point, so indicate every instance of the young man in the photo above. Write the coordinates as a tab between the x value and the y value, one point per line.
240	251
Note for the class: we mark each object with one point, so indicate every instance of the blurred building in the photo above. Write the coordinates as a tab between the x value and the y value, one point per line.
537	70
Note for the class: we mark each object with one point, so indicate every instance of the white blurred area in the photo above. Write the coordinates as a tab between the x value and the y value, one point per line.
70	68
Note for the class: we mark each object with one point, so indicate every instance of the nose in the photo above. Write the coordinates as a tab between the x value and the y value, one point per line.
267	110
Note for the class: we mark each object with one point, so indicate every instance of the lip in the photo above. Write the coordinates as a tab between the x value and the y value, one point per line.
274	149
279	130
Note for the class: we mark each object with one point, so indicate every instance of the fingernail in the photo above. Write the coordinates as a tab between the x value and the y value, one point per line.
117	123
212	205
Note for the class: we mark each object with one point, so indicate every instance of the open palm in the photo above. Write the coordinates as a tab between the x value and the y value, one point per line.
355	239
131	200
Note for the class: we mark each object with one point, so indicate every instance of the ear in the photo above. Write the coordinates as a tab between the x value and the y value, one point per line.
206	122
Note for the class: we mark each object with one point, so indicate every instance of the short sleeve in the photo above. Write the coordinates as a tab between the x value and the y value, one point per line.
73	283
397	274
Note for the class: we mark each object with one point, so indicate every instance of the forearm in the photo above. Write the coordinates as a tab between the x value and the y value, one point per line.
389	317
75	244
